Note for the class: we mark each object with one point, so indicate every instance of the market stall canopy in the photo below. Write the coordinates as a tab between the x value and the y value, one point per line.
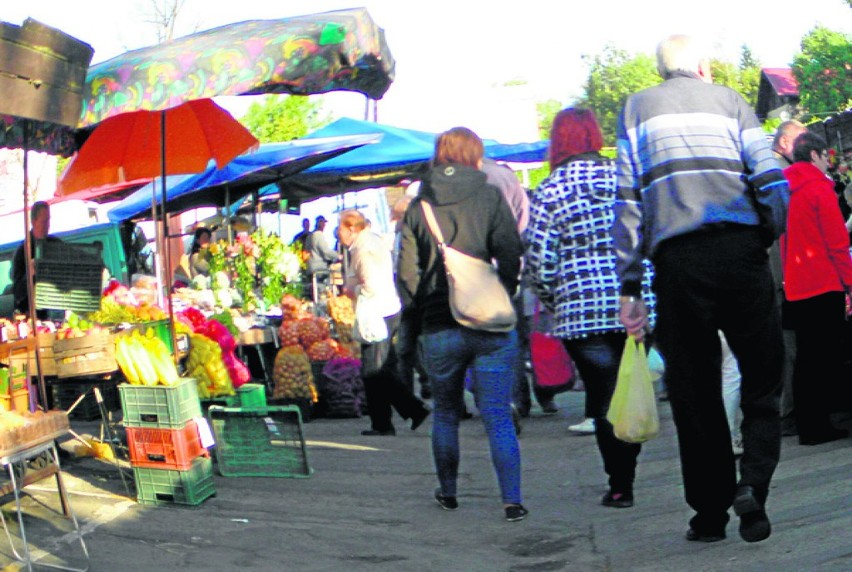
302	55
42	72
401	154
241	176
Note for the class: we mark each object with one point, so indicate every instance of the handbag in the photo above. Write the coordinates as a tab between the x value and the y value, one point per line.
370	326
553	367
478	300
633	409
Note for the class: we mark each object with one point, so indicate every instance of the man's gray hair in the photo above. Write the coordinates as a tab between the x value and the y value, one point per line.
680	53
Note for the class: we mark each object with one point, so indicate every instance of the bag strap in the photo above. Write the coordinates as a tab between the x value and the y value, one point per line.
433	224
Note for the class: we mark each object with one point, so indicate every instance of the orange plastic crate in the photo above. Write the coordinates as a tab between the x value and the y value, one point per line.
173	449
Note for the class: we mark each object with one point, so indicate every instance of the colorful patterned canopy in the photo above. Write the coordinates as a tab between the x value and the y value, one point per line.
316	53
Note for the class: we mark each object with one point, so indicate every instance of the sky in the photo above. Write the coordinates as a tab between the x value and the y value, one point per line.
455	57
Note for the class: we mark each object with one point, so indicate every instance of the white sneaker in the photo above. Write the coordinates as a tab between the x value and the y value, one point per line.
587	427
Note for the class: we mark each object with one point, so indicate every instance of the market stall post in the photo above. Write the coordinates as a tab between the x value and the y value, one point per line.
42	72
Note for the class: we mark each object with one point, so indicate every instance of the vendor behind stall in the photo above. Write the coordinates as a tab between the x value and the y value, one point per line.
40	218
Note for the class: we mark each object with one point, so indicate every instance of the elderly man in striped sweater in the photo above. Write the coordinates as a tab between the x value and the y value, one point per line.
702	197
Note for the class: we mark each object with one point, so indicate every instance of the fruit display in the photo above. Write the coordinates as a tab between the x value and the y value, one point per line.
312	330
293	308
145	359
205	333
204	363
341	309
323	350
118	306
292	375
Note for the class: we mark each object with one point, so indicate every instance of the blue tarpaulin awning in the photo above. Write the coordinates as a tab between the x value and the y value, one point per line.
243	175
401	154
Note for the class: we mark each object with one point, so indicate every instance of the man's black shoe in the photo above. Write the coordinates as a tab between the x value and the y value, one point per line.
375	432
754	524
417	420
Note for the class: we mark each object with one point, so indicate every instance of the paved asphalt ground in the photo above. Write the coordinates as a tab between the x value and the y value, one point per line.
368	506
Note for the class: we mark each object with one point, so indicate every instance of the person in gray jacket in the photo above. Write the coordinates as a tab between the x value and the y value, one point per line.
702	197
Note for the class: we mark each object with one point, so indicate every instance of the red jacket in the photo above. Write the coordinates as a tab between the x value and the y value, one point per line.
815	248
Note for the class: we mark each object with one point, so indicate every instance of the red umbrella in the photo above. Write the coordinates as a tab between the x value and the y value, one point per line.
145	144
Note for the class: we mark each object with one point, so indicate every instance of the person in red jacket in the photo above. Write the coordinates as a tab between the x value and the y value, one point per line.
817	277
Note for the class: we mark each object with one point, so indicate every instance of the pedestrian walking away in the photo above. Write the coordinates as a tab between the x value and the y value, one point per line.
701	195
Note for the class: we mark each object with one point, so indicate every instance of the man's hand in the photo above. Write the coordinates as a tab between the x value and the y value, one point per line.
634	316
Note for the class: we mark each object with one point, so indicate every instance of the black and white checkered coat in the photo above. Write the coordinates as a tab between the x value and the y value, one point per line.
570	256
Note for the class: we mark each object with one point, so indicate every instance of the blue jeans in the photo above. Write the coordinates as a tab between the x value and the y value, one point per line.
490	359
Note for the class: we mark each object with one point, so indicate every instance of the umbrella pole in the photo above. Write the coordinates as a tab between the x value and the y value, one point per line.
167	271
29	268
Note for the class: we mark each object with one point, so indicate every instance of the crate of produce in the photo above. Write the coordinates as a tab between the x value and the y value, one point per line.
65	393
163	486
259	442
173	449
160	330
91	354
163	406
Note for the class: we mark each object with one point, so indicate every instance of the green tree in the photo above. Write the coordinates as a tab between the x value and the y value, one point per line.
613	76
546	111
284	117
824	71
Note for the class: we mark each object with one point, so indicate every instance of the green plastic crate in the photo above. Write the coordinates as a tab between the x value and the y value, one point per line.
251	396
160	406
264	442
159	486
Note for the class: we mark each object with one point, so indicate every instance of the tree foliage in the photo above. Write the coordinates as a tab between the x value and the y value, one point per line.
546	111
284	117
824	71
744	78
613	76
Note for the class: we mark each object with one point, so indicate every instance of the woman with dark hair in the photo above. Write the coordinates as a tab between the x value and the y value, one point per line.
571	265
197	262
817	277
473	217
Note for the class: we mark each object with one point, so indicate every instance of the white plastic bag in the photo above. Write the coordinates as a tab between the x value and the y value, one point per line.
370	326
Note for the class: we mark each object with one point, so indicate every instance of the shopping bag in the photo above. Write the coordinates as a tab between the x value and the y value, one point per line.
633	409
370	326
550	361
551	364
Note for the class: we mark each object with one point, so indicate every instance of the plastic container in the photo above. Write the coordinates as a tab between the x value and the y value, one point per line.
160	487
173	449
251	395
264	442
18	401
163	406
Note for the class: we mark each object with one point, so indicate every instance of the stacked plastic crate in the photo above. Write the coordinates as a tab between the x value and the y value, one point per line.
170	463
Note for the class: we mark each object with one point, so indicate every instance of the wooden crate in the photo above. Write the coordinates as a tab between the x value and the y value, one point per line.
89	355
18	362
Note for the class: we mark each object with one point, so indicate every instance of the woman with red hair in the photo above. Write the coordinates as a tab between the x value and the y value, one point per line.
571	265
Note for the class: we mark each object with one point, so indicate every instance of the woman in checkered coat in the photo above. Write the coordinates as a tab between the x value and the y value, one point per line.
571	265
